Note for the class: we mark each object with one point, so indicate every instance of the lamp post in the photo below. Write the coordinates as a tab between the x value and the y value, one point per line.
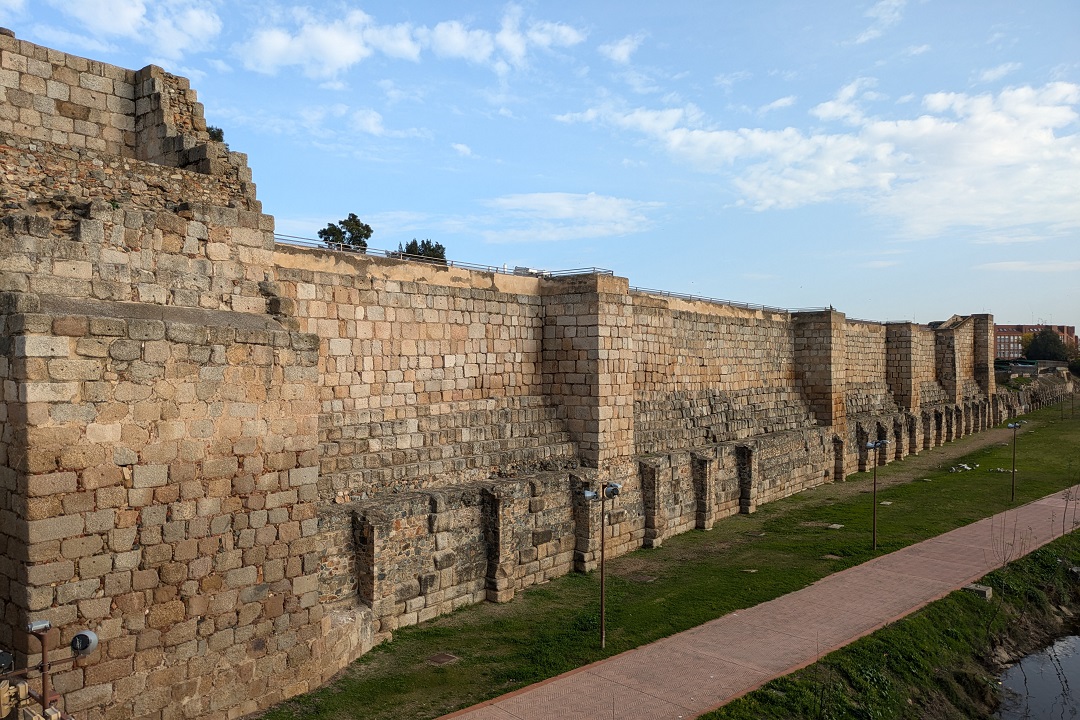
1014	426
608	490
876	446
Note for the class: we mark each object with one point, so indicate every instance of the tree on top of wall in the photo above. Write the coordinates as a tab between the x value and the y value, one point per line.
1046	345
430	251
349	234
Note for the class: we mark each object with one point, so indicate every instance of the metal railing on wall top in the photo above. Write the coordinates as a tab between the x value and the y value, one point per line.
399	255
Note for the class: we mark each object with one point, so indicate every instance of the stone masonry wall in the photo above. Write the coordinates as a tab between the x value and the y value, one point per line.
88	106
865	360
166	497
424	382
423	554
708	373
241	464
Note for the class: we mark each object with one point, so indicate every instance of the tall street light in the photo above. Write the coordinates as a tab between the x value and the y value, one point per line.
1014	427
608	491
876	446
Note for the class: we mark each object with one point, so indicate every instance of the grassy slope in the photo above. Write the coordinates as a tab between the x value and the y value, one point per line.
698	576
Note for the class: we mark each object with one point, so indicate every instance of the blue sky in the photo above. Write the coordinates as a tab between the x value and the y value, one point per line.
899	160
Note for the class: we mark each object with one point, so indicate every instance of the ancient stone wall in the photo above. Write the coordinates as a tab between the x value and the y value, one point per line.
242	463
708	373
429	375
166	497
865	360
92	108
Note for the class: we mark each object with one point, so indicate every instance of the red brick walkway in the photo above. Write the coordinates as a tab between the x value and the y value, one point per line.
685	675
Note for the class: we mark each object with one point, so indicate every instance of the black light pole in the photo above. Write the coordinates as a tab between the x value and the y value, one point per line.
876	446
608	490
1014	427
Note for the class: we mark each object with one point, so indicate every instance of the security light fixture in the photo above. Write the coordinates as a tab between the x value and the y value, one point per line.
84	643
15	691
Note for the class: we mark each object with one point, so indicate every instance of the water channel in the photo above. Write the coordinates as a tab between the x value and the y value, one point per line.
1044	685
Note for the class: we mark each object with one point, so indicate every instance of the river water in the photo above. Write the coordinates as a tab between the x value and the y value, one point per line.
1044	685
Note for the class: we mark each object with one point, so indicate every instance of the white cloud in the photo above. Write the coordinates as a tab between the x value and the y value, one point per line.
996	73
368	121
10	9
994	163
778	104
640	82
554	216
171	27
454	40
220	65
1048	266
1007	238
884	14
879	264
844	106
326	47
619	52
462	149
548	35
395	93
727	80
57	37
322	49
914	50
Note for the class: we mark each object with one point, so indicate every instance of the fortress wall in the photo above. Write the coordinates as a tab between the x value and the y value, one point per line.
708	373
13	448
424	554
965	362
240	463
148	234
429	376
589	365
168	500
52	96
931	391
865	360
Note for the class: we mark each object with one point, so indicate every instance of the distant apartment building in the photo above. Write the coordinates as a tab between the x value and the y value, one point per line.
1007	338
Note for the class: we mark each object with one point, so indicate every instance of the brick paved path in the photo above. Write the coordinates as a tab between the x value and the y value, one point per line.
685	675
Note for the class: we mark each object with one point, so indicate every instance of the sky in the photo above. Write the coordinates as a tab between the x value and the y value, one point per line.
897	160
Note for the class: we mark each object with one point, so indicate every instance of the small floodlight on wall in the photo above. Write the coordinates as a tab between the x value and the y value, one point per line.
84	643
590	495
611	490
7	661
38	626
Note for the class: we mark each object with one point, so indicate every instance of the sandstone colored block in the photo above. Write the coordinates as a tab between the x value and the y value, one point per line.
147	476
41	346
55	528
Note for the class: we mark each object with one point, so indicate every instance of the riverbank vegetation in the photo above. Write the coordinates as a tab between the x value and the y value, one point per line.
939	663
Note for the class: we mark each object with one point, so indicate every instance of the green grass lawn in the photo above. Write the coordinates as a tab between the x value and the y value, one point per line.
693	578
